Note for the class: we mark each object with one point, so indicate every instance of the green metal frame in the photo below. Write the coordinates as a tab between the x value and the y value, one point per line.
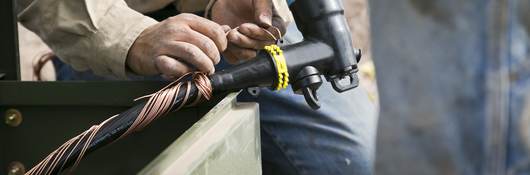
9	43
225	141
75	93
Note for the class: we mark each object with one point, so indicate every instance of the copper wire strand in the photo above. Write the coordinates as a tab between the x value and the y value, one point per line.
158	104
44	168
87	143
60	153
183	103
269	33
158	107
205	86
85	147
174	101
79	141
38	64
44	163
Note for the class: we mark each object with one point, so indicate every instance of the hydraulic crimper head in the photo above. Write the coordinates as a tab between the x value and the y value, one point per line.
327	50
323	21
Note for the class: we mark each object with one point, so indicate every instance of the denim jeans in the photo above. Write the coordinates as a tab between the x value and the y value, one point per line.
336	139
454	86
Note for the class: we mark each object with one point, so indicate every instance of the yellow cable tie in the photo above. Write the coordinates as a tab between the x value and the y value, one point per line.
281	66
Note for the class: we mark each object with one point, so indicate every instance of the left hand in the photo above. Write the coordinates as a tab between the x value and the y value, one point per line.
250	17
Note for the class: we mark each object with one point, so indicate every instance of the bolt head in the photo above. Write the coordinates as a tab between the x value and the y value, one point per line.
16	168
13	117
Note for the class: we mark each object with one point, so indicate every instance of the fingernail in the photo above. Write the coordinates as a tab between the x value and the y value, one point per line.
219	58
226	28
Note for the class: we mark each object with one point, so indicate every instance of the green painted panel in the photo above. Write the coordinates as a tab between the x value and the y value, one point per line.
225	141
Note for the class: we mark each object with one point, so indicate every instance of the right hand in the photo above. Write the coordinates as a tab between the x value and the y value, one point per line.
253	18
176	46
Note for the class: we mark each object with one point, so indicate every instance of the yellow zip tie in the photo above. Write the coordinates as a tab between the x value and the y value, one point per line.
281	66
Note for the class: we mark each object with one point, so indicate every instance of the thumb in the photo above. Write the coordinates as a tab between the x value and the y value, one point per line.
263	12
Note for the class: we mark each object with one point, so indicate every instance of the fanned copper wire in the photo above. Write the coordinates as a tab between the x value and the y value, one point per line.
269	33
158	104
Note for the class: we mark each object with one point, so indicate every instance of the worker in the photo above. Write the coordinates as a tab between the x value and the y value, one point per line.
115	40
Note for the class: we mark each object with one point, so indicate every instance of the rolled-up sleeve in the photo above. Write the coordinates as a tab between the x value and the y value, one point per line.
87	34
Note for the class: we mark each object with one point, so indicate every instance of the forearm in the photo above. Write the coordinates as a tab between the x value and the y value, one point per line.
87	34
146	6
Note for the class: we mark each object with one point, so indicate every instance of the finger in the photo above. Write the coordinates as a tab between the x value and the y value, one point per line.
256	32
241	54
190	54
210	29
263	12
229	57
278	23
226	28
170	67
240	40
204	43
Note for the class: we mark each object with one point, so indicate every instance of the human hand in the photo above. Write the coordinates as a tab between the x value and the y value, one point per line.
176	46
255	23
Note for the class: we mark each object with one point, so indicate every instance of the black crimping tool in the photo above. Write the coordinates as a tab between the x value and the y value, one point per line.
326	50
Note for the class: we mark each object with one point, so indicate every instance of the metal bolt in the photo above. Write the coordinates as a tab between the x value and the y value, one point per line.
254	91
13	117
16	168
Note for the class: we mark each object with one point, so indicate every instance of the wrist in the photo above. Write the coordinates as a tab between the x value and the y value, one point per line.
134	62
131	65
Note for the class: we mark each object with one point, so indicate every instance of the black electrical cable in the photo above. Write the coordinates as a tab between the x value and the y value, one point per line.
109	131
258	72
